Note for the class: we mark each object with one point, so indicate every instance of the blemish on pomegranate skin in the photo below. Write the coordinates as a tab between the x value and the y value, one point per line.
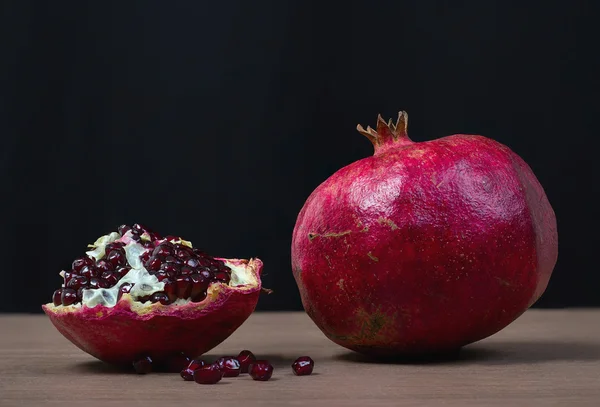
376	259
385	221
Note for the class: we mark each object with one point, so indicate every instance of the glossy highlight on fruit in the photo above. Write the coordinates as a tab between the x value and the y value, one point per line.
135	292
245	358
209	374
424	247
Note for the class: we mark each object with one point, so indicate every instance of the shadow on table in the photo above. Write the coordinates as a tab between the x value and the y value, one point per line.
496	353
98	367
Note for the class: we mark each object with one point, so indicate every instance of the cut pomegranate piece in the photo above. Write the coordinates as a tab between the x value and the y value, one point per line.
261	370
246	358
303	366
170	301
209	374
177	362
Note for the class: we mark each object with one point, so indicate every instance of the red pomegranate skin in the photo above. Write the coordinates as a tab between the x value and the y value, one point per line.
424	247
119	334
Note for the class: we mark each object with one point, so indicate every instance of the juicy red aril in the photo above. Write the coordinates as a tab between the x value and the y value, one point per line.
188	373
222	276
192	262
79	263
103	265
199	285
110	277
171	238
139	228
113	246
161	275
163	299
68	276
170	289
229	365
124	288
163	250
144	257
80	293
173	259
261	370
186	271
171	269
153	264
184	286
177	362
143	365
89	271
122	271
77	281
68	296
117	258
123	229
209	374
303	366
97	283
57	297
246	358
154	236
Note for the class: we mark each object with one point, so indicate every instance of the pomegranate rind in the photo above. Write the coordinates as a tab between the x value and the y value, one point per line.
119	334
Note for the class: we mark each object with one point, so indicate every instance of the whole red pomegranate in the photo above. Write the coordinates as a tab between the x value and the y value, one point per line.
138	296
425	246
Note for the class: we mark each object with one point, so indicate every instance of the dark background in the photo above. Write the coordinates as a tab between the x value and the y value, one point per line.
215	120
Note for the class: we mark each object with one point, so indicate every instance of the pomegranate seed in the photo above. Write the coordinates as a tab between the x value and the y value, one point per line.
171	269
229	365
173	259
68	296
161	275
186	271
80	293
153	264
113	246
171	238
123	229
77	281
117	258
122	271
123	289
163	299
208	374
199	286
246	358
184	286
170	289
68	276
79	263
144	257
303	366
163	250
102	266
192	262
139	228
97	283
188	373
110	277
261	370
135	236
222	276
89	271
154	236
57	297
143	365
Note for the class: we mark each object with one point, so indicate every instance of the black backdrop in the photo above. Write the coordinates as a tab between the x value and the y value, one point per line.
215	120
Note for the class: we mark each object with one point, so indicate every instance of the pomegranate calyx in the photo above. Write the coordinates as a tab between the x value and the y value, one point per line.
387	134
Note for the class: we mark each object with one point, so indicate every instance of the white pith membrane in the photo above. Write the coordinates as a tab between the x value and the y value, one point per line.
144	283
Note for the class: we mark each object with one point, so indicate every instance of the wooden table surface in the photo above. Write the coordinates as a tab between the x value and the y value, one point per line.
545	358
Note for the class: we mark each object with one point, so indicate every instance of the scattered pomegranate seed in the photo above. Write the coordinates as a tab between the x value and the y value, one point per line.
303	366
143	365
229	365
245	358
261	370
208	374
163	299
188	373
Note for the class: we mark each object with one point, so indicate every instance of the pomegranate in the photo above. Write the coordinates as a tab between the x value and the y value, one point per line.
136	293
188	373
229	365
424	247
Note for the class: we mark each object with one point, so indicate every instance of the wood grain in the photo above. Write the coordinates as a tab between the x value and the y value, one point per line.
545	358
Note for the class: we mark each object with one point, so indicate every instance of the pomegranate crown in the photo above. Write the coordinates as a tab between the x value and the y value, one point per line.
387	134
